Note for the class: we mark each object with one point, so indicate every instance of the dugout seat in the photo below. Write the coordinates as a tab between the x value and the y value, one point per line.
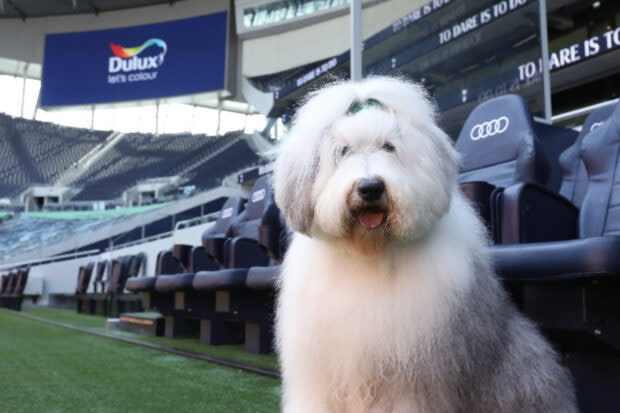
504	172
9	283
123	268
217	296
81	290
574	174
172	289
571	288
258	304
13	296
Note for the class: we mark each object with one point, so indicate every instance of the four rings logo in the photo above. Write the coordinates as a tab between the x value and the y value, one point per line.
489	128
258	195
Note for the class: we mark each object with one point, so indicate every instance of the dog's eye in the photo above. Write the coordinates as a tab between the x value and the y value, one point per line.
343	150
387	146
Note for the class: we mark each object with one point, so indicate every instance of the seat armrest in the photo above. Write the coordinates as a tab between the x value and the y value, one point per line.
532	213
269	239
479	194
245	253
559	260
214	247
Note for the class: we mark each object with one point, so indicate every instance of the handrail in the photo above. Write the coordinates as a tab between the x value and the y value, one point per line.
582	111
49	259
179	225
142	240
195	221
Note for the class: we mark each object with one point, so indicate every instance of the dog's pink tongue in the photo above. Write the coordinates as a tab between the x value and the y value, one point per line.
370	220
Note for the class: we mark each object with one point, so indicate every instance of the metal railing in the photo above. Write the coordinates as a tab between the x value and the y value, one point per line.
582	111
196	221
49	259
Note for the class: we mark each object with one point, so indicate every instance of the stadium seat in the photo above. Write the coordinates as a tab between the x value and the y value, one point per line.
171	289
123	268
217	296
166	264
501	156
83	280
574	174
258	305
13	294
571	288
7	288
97	301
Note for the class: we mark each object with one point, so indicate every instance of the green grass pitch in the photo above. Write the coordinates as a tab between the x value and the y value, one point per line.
46	368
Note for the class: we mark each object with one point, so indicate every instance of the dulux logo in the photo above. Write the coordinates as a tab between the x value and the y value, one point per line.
489	128
126	59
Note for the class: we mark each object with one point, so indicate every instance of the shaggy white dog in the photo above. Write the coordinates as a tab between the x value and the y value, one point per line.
387	301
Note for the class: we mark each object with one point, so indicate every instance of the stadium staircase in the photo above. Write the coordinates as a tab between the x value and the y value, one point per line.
81	166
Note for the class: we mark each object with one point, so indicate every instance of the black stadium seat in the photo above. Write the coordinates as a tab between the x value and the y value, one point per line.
171	290
123	268
258	304
83	281
574	174
498	148
571	287
12	294
217	295
176	267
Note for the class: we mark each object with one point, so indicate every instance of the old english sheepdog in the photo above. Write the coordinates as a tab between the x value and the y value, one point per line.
388	301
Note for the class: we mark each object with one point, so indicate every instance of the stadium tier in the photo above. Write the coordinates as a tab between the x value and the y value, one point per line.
36	153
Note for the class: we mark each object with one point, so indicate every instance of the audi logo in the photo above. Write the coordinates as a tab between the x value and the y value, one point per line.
489	128
595	125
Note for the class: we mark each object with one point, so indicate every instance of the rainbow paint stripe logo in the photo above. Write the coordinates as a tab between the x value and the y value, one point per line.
127	59
127	52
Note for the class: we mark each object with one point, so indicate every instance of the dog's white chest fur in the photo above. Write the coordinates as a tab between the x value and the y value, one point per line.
351	325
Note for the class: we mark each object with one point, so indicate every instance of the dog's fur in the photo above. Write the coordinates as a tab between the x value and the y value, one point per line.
407	317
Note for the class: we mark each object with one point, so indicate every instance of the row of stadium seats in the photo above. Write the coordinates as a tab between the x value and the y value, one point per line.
12	288
37	153
107	298
33	152
140	156
225	287
557	252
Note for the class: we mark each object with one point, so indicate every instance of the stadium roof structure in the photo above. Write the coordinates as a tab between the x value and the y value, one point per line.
24	9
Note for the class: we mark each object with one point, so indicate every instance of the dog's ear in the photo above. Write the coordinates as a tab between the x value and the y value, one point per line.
295	172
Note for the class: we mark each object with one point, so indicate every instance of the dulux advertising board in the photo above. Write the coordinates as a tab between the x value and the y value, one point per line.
180	57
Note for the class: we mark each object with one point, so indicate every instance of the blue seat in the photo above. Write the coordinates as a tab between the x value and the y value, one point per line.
574	174
571	288
498	149
217	296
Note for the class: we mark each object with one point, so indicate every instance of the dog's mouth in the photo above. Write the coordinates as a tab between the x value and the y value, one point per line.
370	218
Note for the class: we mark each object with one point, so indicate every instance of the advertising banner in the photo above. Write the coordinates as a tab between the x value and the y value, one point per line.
180	57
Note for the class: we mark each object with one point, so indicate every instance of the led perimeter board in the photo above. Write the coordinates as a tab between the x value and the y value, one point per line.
175	58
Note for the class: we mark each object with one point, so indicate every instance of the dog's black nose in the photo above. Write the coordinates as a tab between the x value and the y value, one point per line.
370	189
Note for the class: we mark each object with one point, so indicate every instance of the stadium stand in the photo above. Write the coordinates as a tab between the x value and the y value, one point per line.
33	152
137	156
40	153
